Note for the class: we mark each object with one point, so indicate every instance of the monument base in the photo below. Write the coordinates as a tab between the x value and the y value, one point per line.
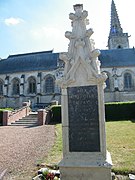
85	173
72	169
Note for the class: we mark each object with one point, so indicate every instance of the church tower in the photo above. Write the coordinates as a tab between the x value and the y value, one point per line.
117	39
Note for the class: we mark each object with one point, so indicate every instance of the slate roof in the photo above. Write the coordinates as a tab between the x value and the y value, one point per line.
45	60
117	58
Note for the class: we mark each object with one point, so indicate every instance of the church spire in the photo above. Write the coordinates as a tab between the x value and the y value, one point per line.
115	23
117	39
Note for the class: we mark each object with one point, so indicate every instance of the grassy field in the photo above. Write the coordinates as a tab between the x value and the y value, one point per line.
120	143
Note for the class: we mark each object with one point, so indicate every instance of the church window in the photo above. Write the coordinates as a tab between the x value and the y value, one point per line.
49	85
16	87
119	47
32	86
107	83
1	88
113	30
127	81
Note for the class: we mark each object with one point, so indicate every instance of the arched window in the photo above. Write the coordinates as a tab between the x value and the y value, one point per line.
1	88
127	81
107	83
16	87
49	85
32	85
119	47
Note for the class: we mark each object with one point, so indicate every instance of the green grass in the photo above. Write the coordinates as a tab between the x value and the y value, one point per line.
120	143
55	155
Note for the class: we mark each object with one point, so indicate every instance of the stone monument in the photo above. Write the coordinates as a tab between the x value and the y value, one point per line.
83	116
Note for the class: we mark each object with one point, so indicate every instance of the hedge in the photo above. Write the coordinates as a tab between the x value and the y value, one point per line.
113	111
119	111
55	112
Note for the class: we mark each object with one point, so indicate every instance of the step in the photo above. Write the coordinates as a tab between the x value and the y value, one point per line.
35	118
14	124
30	120
27	120
32	115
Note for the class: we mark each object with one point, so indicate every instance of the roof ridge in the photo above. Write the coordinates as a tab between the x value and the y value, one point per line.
32	53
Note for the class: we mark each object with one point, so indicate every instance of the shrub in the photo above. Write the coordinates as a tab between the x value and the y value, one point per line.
55	112
113	111
119	111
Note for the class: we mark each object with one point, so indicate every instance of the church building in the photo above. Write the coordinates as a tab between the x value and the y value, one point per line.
118	62
33	76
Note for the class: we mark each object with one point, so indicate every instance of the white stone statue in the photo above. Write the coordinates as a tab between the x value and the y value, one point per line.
82	57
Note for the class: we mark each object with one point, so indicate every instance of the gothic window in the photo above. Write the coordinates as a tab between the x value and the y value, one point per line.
107	84
49	85
114	29
16	87
1	88
32	86
127	81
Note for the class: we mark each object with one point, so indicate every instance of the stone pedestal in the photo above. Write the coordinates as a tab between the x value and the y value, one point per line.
84	139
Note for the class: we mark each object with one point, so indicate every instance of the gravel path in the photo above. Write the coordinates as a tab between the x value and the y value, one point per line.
22	148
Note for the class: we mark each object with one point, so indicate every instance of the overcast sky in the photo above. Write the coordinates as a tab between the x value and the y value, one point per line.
40	25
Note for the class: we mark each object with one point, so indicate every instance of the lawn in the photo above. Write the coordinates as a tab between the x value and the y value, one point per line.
120	143
55	154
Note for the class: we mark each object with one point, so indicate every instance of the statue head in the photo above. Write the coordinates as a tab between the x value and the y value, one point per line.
78	7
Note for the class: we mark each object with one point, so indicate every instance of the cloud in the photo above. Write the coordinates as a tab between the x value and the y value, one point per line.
46	32
49	37
13	21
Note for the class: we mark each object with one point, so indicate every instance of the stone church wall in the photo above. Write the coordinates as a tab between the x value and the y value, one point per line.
9	98
115	90
120	85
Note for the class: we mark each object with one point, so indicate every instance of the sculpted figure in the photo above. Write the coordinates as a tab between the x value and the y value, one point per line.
89	32
94	59
79	44
68	63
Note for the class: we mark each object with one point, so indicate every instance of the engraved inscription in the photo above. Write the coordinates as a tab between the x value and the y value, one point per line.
83	119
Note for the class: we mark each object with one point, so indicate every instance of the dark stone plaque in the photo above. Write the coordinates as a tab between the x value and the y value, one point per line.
83	119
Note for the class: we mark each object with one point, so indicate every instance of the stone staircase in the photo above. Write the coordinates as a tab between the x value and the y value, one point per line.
30	120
